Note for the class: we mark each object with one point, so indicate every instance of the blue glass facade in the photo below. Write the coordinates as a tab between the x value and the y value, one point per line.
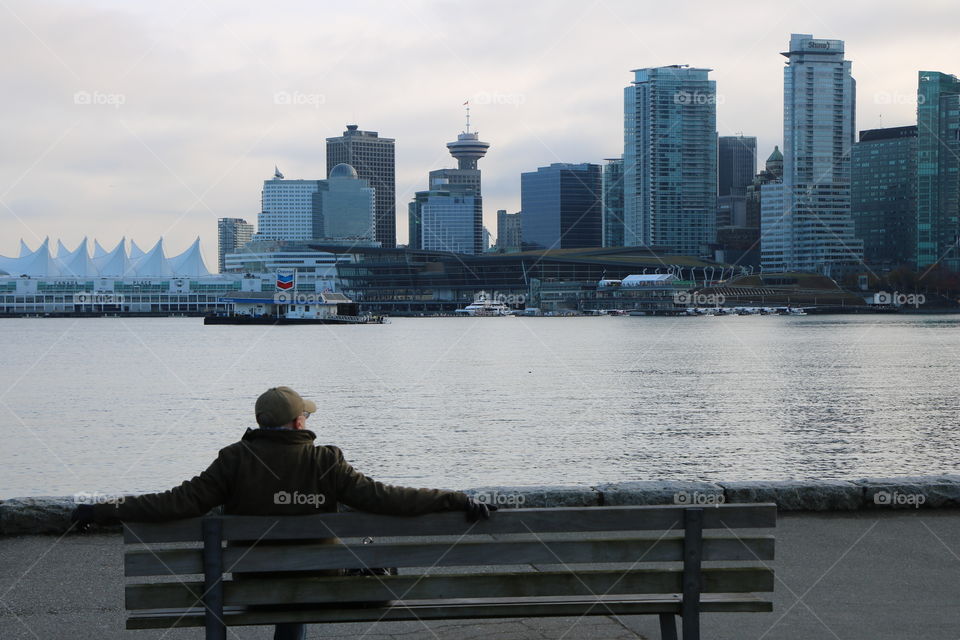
938	170
561	206
613	203
670	159
883	195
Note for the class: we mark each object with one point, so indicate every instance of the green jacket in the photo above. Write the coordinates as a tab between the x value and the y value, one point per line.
279	472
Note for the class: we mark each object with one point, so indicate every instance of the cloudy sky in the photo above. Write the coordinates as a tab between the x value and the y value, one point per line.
154	119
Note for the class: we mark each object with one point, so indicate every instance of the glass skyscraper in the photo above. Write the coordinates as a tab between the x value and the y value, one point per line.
373	158
670	160
883	192
813	232
232	233
561	206
613	203
938	170
737	164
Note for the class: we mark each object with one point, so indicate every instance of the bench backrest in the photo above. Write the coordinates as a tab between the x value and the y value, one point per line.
569	538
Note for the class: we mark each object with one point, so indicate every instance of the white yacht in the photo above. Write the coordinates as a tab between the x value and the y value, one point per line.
484	306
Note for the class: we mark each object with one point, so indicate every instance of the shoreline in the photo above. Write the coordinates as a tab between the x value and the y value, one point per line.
51	514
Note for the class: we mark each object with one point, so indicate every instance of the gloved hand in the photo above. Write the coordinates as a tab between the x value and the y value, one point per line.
82	517
477	510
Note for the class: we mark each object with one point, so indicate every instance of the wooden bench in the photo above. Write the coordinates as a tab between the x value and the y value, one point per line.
519	563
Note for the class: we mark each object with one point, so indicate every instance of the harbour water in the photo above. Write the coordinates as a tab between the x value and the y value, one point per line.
140	404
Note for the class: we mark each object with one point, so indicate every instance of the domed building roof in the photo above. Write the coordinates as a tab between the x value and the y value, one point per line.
776	155
343	170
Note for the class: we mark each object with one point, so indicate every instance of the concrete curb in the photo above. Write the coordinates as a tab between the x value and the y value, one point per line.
51	514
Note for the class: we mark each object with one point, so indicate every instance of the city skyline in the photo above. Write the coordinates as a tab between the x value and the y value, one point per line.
172	122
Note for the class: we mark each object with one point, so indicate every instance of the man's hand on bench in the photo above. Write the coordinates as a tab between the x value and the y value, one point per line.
477	510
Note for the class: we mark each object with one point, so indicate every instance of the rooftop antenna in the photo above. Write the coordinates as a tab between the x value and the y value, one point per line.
467	105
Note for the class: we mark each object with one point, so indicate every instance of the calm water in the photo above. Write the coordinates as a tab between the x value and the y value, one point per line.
141	404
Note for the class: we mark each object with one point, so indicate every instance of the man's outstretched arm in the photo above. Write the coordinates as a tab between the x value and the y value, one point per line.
193	498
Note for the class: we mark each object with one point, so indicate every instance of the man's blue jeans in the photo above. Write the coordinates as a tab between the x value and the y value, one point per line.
290	631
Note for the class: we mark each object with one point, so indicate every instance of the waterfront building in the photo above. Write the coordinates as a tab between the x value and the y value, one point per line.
562	206
509	236
814	231
232	233
670	159
938	170
883	199
373	159
127	281
117	281
415	282
612	188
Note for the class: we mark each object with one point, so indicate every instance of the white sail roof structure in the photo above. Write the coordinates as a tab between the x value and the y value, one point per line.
78	262
153	262
39	262
190	262
116	263
135	252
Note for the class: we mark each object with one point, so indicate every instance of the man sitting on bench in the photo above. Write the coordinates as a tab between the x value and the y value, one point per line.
278	470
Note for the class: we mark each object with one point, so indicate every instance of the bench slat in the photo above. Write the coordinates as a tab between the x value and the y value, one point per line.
312	557
459	609
414	587
358	524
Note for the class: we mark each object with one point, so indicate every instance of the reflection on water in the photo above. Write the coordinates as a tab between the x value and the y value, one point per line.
140	404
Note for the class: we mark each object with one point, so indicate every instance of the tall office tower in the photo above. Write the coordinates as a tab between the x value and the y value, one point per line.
670	159
232	233
613	202
736	164
813	231
562	206
509	238
346	209
449	215
883	196
373	159
288	209
938	170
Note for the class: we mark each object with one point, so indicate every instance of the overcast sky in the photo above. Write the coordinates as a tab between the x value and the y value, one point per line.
149	119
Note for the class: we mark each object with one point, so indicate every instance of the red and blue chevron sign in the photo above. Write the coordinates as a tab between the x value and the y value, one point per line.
285	279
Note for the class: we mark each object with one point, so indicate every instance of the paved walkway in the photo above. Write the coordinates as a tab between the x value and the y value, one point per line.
863	575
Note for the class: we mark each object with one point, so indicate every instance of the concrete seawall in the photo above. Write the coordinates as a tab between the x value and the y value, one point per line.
45	514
